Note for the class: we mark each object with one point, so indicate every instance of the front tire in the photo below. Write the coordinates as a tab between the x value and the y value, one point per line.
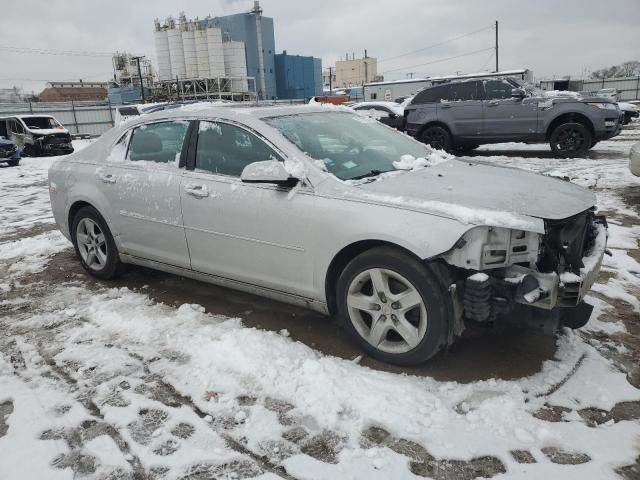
570	140
94	244
13	163
393	306
437	138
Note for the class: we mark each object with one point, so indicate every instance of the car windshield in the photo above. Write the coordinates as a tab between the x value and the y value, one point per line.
350	146
40	123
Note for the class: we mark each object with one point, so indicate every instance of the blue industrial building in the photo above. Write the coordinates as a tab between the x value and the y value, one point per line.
242	27
297	76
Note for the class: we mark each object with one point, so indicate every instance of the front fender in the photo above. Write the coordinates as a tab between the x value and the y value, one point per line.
345	223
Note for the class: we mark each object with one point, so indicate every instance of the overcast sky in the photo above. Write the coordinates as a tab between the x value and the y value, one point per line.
551	37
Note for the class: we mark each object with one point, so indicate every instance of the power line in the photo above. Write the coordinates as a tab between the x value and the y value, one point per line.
437	44
439	60
38	51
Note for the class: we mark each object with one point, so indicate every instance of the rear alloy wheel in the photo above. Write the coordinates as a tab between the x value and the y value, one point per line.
571	140
94	244
437	138
393	306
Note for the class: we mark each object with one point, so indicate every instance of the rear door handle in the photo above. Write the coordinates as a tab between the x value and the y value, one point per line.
107	177
492	104
445	105
195	190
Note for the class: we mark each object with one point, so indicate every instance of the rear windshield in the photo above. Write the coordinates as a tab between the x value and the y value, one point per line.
41	123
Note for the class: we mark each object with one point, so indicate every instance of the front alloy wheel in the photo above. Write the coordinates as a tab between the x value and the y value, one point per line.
394	306
571	140
386	310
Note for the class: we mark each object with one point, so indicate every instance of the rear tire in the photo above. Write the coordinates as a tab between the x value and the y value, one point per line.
13	163
393	306
437	138
570	140
94	244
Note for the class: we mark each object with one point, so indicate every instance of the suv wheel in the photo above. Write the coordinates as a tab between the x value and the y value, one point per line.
94	244
436	137
570	140
393	306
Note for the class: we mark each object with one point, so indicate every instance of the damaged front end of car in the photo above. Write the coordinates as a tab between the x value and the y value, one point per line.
49	144
500	272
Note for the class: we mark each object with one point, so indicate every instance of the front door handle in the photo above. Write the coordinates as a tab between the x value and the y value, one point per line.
107	177
492	104
445	105
195	190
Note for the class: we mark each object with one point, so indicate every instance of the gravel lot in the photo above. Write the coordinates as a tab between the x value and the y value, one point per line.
156	376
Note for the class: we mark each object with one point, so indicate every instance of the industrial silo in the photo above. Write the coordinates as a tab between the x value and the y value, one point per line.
162	50
217	64
189	47
176	51
202	51
235	62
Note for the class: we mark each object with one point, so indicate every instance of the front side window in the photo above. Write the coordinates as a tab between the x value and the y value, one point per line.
350	146
497	89
226	149
159	142
16	127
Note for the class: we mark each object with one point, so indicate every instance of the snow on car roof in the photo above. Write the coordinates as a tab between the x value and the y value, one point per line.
391	105
238	112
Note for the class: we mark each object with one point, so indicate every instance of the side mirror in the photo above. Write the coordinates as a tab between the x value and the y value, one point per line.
518	93
268	171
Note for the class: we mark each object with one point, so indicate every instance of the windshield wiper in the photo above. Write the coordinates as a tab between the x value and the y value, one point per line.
370	173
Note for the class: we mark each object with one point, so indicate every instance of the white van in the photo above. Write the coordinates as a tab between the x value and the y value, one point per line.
37	135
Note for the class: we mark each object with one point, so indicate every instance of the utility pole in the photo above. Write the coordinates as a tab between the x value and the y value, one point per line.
411	74
140	77
497	68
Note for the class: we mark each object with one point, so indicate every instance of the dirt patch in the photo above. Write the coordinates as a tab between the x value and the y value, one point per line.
6	409
425	465
563	457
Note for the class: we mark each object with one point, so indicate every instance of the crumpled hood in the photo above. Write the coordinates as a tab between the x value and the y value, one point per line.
47	131
477	193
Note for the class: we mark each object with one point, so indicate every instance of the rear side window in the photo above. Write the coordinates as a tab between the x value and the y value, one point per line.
160	142
226	149
497	89
433	94
465	91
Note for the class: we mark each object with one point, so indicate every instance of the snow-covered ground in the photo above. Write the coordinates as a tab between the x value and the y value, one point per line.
103	382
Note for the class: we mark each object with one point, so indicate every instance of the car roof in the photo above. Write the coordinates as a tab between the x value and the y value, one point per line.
392	105
30	115
241	113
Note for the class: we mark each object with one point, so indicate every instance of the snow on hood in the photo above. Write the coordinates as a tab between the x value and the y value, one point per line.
480	194
47	131
409	162
561	93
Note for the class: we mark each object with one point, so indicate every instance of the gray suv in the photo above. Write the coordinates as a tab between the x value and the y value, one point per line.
460	116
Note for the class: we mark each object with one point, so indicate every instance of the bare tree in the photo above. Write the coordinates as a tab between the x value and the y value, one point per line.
627	69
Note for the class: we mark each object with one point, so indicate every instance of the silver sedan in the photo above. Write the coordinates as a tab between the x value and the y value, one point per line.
320	207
